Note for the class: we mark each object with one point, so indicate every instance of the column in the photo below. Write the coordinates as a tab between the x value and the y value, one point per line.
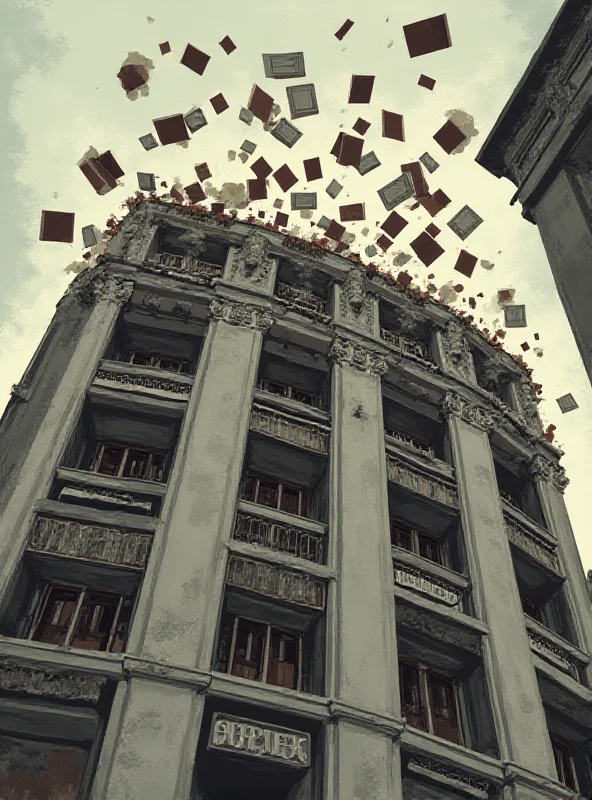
362	763
177	615
551	482
522	728
105	295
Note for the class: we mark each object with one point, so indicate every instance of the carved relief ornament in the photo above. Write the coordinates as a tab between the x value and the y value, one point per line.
356	307
435	628
233	313
347	353
15	677
137	233
251	263
95	285
482	418
543	469
456	351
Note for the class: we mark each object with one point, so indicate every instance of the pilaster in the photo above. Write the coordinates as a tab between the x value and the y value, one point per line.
455	355
354	307
520	718
250	265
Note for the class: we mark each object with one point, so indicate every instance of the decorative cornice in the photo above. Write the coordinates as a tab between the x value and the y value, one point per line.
95	285
392	726
233	313
137	234
436	627
351	354
482	418
542	469
477	787
65	685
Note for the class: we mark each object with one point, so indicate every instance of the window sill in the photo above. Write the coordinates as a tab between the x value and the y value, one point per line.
268	696
44	655
292	406
88	515
282	517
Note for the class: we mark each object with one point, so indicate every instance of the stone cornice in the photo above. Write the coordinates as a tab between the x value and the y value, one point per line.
135	667
385	723
346	352
241	314
482	418
18	676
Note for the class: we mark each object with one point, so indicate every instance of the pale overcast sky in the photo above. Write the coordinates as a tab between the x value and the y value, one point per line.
60	61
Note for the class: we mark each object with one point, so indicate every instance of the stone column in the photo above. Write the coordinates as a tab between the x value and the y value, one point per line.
522	728
105	295
177	616
362	679
551	481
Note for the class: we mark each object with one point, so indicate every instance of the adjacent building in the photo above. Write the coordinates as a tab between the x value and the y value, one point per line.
274	526
542	142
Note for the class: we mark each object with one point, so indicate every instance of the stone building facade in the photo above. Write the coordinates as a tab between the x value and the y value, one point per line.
272	527
542	142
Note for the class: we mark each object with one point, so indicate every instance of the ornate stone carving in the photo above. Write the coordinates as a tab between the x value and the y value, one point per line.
543	469
457	355
303	274
194	243
455	405
423	766
65	685
251	263
536	546
347	353
20	391
182	309
303	302
234	313
434	627
275	581
417	481
95	285
553	653
137	234
527	402
356	307
408	319
144	382
151	302
309	435
422	581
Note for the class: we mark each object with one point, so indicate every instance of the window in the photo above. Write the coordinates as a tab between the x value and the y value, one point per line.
260	652
128	462
275	494
532	609
429	701
408	538
564	762
81	618
158	362
291	392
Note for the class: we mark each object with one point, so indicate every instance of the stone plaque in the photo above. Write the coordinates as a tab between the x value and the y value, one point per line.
262	741
284	65
286	133
302	100
397	191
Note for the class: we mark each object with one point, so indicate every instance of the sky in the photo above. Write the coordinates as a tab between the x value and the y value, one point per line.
60	60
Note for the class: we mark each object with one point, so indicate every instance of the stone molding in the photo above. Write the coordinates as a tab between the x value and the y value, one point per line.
541	468
134	667
455	405
437	627
137	233
144	381
456	352
244	315
62	684
273	580
385	723
20	391
95	285
351	354
356	305
251	264
477	787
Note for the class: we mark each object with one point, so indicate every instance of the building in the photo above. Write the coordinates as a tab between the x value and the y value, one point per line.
273	526
542	142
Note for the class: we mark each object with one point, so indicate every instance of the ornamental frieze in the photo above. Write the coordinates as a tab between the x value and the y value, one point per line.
144	382
348	353
433	627
246	316
65	685
423	766
356	306
95	285
456	352
482	418
542	469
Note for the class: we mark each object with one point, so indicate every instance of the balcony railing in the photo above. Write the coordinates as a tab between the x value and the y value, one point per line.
408	441
281	538
90	542
551	651
406	346
308	435
131	378
422	581
530	542
417	481
304	302
199	270
276	582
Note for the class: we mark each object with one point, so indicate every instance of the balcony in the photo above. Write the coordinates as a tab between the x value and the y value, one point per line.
409	348
420	482
409	442
281	537
304	303
103	491
532	541
276	582
448	590
150	381
287	428
199	271
555	650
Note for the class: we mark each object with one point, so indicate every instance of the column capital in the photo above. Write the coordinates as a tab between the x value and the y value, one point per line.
346	352
457	356
543	469
355	305
95	285
251	264
455	405
233	313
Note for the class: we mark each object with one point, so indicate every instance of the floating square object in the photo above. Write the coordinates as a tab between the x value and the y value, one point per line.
256	189
261	214
525	346
227	45
394	224
90	236
164	48
340	247
57	226
218	208
261	168
131	78
333	189
515	316
465	263
397	191
246	116
148	142
449	137
427	36
219	103
108	162
354	212
176	194
347	25
146	182
312	169
429	163
360	90
420	185
99	178
195	120
427	83
195	59
384	243
324	223
434	203
260	103
371	251
248	147
337	146
281	219
361	126
284	65
286	133
465	222
393	126
426	248
303	200
171	129
368	163
335	230
285	178
195	193
302	100
278	203
432	229
202	171
567	403
404	278
350	151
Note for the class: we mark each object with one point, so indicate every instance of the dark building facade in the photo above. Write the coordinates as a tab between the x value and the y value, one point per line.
542	142
273	527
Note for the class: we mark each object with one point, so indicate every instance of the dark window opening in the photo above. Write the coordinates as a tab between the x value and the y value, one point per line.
288	391
564	762
429	701
127	462
156	361
275	494
410	539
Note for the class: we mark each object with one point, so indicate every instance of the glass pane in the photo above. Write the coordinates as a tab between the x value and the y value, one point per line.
249	650
283	660
400	535
443	706
430	549
110	459
57	615
290	500
136	464
411	699
267	494
95	621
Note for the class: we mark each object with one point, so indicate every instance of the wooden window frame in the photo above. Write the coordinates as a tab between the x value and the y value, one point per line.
415	534
43	598
155	361
566	751
126	451
265	663
302	493
424	671
289	392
